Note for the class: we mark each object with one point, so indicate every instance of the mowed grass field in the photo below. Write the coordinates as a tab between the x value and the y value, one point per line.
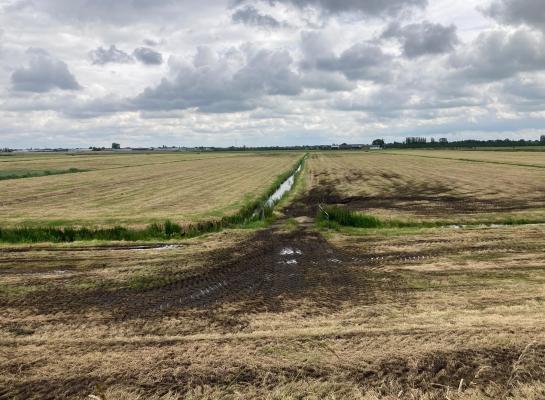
296	310
432	186
134	189
535	158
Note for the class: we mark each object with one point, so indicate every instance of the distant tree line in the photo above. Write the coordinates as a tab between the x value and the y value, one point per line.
422	142
409	142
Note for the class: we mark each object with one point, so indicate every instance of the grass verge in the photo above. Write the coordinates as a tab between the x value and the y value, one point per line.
335	217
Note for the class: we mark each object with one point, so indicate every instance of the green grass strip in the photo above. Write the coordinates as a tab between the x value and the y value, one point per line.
335	216
33	174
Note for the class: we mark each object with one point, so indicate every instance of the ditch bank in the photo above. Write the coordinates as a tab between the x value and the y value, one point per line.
334	216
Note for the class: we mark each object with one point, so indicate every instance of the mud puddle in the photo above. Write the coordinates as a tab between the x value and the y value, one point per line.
289	251
489	226
156	247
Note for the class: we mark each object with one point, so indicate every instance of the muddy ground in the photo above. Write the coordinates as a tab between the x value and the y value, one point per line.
415	200
226	326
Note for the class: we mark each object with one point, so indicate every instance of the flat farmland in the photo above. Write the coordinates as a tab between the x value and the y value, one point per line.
135	189
409	186
521	158
293	308
95	160
279	314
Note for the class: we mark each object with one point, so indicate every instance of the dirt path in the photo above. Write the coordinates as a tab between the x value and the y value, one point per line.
277	269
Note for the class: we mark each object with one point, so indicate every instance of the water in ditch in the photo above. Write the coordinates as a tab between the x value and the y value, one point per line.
284	188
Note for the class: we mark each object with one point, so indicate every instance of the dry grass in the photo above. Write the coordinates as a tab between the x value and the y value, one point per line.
429	314
531	158
97	161
383	316
411	187
137	189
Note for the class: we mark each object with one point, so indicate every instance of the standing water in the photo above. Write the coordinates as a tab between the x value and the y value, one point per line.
282	190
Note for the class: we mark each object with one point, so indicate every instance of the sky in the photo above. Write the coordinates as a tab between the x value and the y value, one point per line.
80	73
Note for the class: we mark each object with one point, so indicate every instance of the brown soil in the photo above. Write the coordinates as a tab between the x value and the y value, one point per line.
276	268
430	201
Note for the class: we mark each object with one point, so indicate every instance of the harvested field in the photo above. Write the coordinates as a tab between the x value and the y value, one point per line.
521	158
416	188
245	315
98	160
288	311
136	189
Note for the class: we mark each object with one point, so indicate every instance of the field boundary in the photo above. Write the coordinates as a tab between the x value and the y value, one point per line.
335	216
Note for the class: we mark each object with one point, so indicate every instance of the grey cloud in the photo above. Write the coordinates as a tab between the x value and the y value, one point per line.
153	42
329	81
148	56
532	89
384	102
342	65
249	15
44	73
270	72
316	48
103	56
118	12
362	61
411	97
423	38
372	8
216	84
525	94
205	56
498	55
530	12
69	104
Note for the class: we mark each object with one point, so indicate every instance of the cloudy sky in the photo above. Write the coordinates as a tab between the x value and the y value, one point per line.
268	72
